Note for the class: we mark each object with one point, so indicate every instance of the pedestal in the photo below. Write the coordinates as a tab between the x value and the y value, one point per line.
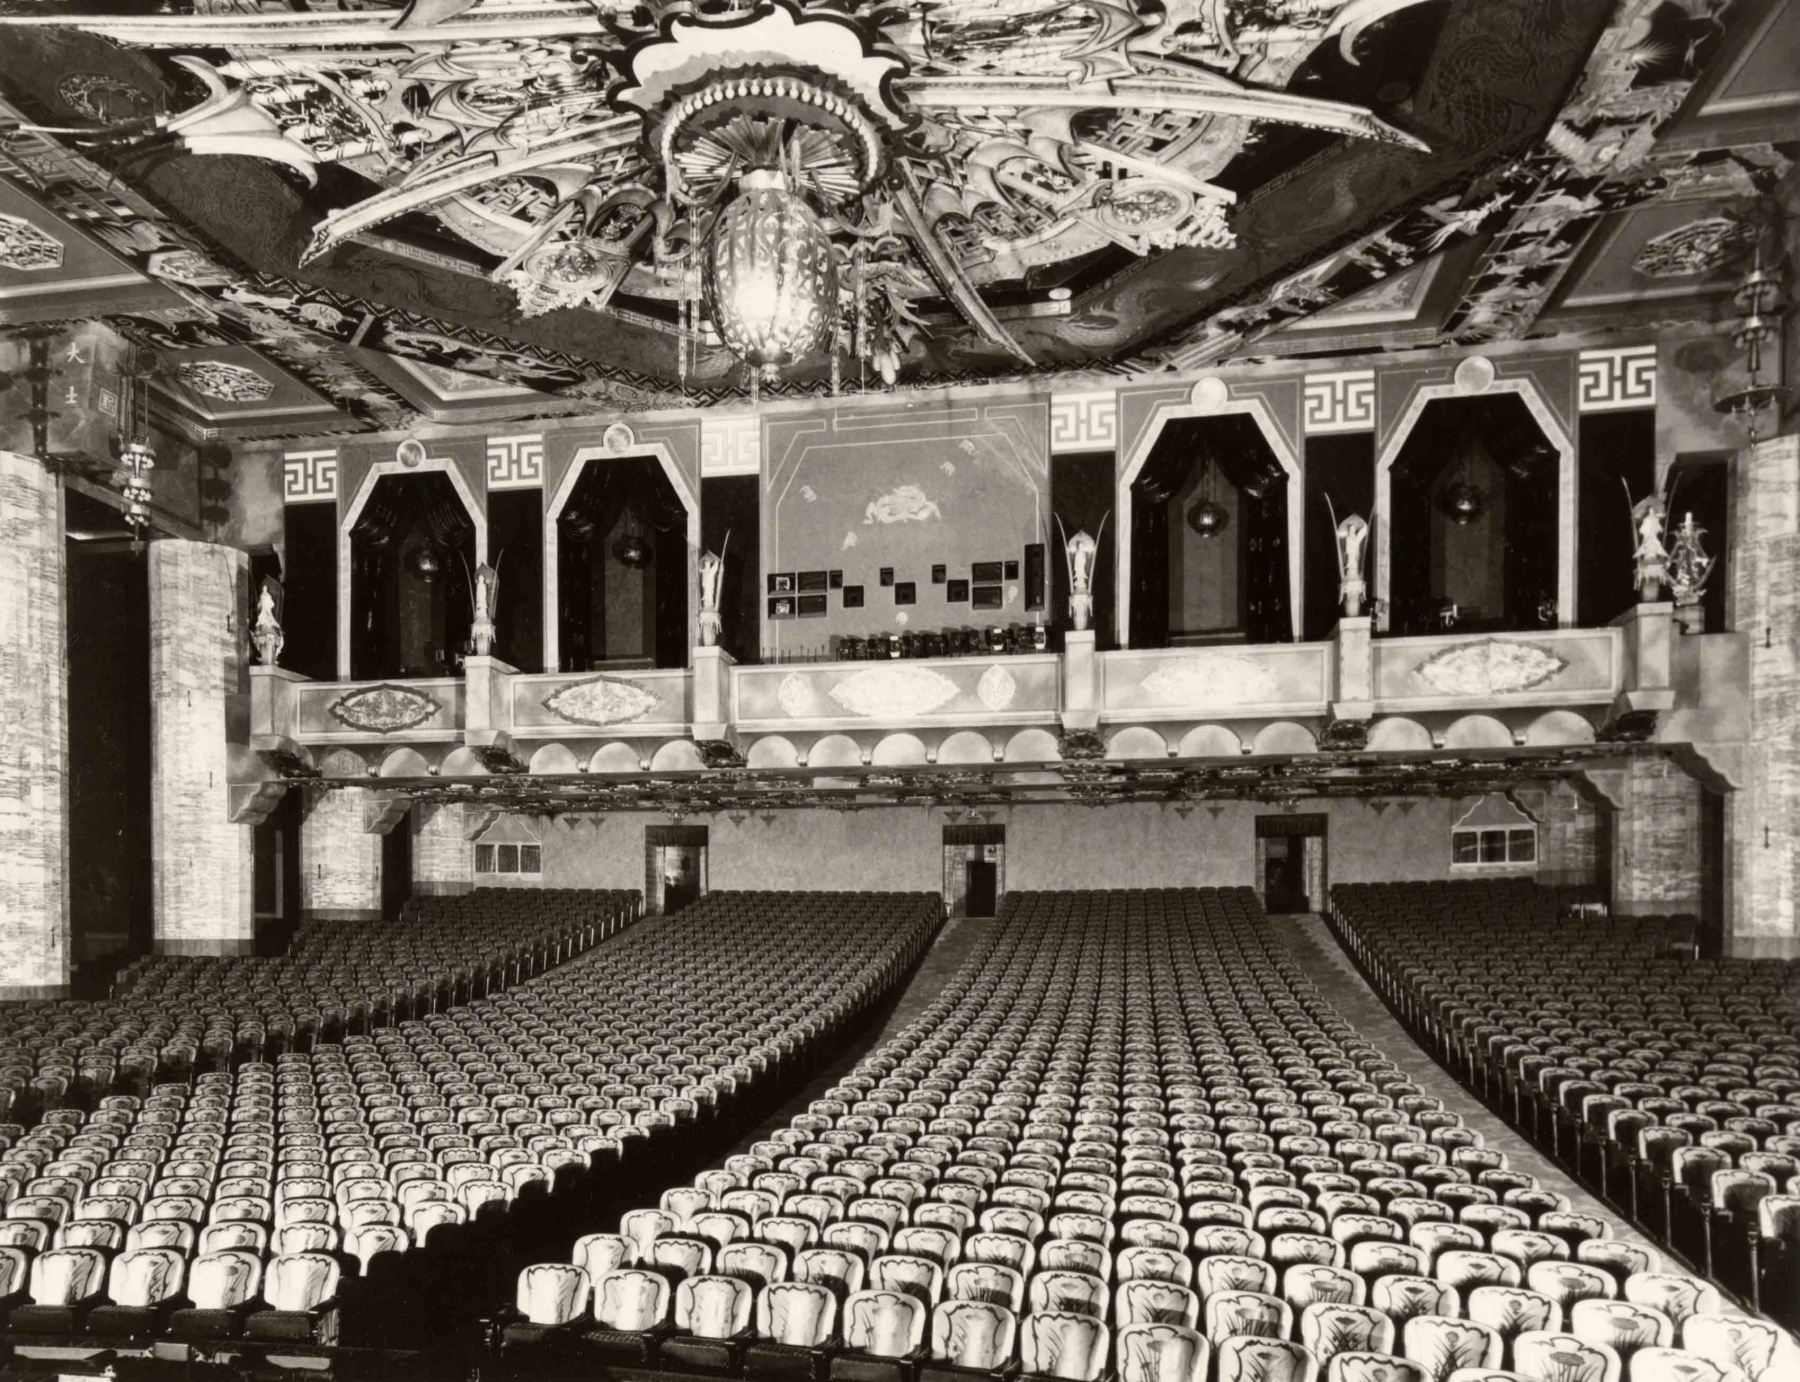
202	870
712	693
1081	680
1353	684
34	737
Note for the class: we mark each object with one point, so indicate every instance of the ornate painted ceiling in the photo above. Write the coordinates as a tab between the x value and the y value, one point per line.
353	216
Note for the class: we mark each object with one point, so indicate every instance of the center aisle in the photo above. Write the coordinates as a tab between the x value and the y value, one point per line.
948	951
1310	942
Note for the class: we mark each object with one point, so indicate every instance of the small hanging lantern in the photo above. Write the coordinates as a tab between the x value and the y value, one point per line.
425	564
136	461
1208	518
632	551
1464	503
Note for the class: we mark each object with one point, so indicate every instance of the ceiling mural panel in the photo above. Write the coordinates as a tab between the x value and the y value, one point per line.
519	206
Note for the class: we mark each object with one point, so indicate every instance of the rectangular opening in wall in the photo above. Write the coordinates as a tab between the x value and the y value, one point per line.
1290	862
674	867
974	869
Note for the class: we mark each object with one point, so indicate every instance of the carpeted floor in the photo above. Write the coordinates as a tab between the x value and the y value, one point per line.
1326	964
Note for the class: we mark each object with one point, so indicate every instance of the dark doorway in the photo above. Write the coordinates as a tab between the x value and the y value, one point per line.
974	869
1473	497
1209	549
674	867
1290	863
1284	876
982	883
622	564
1618	459
396	869
1340	481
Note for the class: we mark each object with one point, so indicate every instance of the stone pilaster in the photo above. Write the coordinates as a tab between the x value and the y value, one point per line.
340	858
34	735
1568	837
443	858
1656	840
1762	823
202	870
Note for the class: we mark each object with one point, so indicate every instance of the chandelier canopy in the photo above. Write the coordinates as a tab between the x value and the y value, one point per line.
780	183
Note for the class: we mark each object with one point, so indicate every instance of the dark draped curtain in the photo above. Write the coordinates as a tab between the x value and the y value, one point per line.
407	515
607	489
1521	516
1235	446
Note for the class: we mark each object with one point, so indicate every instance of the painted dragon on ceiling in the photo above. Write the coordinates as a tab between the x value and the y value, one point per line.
961	154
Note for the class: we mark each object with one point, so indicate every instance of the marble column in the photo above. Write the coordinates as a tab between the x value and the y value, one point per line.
443	858
34	734
1656	840
202	862
340	857
1762	822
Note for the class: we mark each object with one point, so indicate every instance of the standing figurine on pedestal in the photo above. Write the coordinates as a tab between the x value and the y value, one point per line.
1688	569
1079	551
1648	517
481	599
1352	540
265	635
712	575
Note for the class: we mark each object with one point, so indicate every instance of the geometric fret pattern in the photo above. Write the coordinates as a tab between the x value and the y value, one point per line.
1611	380
730	444
1084	421
516	462
309	477
1340	402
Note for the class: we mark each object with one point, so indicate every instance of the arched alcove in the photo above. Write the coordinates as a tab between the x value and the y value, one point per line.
413	548
1209	538
1473	502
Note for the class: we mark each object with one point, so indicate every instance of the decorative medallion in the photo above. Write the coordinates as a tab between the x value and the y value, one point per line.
896	691
996	688
618	438
1697	248
25	247
227	382
600	701
384	709
1223	679
1489	668
104	99
795	695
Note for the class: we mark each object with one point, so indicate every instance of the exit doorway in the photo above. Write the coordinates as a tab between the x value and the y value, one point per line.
1290	863
674	867
974	869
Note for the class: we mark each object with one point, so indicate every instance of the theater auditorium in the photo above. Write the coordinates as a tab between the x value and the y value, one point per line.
928	691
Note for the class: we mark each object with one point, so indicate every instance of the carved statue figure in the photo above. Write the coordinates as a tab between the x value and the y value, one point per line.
482	596
266	636
1688	569
712	574
1648	517
1352	540
1079	551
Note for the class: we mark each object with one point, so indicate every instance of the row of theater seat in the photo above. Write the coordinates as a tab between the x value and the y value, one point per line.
171	1017
447	1132
1672	1087
1128	1138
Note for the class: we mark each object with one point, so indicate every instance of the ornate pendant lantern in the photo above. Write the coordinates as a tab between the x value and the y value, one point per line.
1464	503
1209	517
772	282
136	461
632	551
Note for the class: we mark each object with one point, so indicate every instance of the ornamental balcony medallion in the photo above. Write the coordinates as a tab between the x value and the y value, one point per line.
384	709
896	692
600	701
1217	679
996	688
1489	668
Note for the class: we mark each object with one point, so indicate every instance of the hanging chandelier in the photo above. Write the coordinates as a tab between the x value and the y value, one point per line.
772	280
1209	517
136	461
1759	302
